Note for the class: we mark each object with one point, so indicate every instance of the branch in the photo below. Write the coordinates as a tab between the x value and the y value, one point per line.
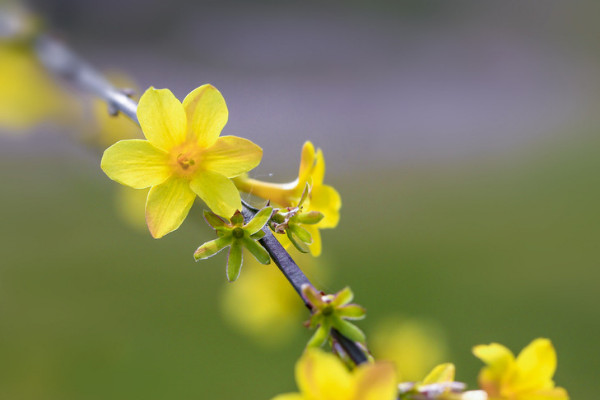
60	60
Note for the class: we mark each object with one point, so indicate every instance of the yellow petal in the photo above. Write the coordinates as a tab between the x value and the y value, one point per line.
550	394
440	374
316	246
535	366
307	163
375	382
231	156
326	200
136	163
323	376
218	192
290	396
498	358
206	114
167	206
162	118
318	173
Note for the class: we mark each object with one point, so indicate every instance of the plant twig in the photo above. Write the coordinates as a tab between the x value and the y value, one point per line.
60	60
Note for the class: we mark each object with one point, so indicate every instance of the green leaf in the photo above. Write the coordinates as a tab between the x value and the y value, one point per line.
234	261
312	296
257	250
352	311
258	235
310	218
319	337
305	194
342	297
259	220
211	248
237	219
213	219
348	329
297	242
301	233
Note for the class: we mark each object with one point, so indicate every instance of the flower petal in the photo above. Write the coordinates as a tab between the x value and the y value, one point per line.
375	382
326	200
535	366
318	173
162	118
218	192
167	206
548	394
440	374
206	114
320	375
289	396
231	156
136	163
315	247
499	361
307	163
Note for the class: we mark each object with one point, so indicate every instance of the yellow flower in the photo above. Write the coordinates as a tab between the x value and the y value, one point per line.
322	198
528	377
322	376
182	157
413	345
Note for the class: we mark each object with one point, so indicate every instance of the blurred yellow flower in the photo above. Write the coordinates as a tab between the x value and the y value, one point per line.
413	345
28	94
130	206
439	384
322	376
322	198
263	305
526	377
182	157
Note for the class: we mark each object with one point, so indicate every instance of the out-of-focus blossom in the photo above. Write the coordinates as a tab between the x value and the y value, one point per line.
322	198
183	157
28	93
439	384
322	376
413	345
264	305
526	377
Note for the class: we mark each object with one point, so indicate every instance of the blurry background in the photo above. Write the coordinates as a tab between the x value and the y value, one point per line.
462	136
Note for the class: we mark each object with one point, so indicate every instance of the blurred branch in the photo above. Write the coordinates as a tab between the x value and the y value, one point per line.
60	60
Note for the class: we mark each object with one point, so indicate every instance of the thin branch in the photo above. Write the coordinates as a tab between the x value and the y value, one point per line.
60	60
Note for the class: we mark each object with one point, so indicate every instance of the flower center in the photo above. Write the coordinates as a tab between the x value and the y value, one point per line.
186	159
327	310
238	233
